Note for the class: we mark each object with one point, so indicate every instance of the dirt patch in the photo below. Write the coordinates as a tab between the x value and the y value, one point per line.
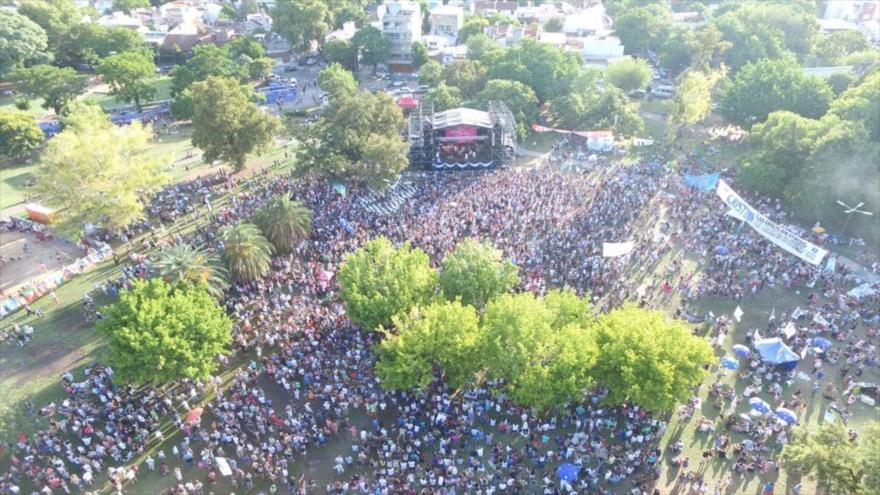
23	256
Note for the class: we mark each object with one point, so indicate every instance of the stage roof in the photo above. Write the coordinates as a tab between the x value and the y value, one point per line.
461	116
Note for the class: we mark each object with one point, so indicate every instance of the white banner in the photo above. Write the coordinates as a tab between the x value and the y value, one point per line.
223	466
773	232
614	249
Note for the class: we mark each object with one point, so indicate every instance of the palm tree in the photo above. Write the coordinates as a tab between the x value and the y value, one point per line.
245	251
284	222
185	263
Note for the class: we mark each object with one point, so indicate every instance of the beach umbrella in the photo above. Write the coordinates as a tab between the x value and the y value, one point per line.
568	472
759	405
723	250
786	415
822	343
741	350
729	363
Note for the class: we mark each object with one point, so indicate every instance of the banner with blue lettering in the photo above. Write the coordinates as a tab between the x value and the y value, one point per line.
706	182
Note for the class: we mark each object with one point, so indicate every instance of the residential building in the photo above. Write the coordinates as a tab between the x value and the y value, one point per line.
601	50
446	20
591	21
489	7
401	26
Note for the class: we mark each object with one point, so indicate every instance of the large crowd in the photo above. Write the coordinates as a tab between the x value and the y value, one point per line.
308	392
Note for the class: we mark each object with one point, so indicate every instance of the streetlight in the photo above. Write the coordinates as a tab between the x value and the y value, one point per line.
848	211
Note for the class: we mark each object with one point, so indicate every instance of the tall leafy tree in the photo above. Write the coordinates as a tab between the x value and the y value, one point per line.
131	76
692	102
227	124
476	272
128	5
832	48
443	97
699	48
186	264
861	103
207	61
370	46
22	42
600	109
472	26
431	73
467	75
641	28
568	308
419	55
765	86
648	359
827	455
56	18
246	253
357	138
89	43
337	81
379	281
19	133
56	86
158	333
340	52
94	171
517	96
548	70
302	22
629	74
748	43
439	339
284	222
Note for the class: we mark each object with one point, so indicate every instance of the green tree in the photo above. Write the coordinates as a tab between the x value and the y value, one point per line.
284	222
443	97
643	27
862	103
517	96
337	81
766	86
128	5
869	457
57	87
476	272
548	70
159	333
438	339
748	43
302	22
183	264
629	74
227	124
379	281
472	26
131	76
431	73
832	48
246	253
94	171
568	308
826	455
606	109
467	75
767	29
482	48
698	48
372	47
359	139
19	133
340	52
553	25
840	82
22	42
207	61
56	18
692	102
419	55
89	43
648	359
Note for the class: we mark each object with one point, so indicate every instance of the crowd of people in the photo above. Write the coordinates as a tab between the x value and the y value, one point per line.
306	395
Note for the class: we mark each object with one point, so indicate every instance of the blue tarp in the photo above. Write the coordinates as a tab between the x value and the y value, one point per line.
706	182
568	472
774	351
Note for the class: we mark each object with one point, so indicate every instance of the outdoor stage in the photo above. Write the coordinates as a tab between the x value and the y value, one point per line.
462	138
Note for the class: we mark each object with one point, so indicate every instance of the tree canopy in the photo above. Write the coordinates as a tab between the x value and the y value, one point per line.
183	264
443	97
476	272
227	124
94	171
518	97
371	45
302	22
284	222
437	339
57	87
357	138
641	28
131	76
648	358
379	281
160	333
22	42
246	253
597	109
765	86
692	102
337	81
19	133
629	74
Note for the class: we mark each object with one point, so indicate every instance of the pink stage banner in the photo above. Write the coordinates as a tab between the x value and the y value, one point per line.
461	133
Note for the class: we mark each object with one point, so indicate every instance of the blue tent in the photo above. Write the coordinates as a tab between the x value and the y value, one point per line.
568	472
729	363
774	351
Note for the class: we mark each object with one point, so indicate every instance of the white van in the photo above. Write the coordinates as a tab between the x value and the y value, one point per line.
664	91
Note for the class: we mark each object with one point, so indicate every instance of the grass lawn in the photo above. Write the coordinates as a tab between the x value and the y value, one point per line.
660	107
13	179
109	102
35	105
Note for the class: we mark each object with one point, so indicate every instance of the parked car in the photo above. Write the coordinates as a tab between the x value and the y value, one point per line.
398	83
291	68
